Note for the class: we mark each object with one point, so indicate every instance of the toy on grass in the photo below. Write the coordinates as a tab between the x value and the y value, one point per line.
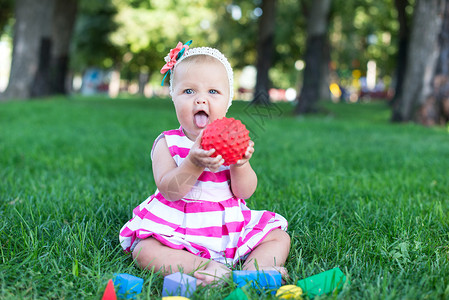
261	280
324	283
129	286
179	284
109	292
237	294
289	292
229	137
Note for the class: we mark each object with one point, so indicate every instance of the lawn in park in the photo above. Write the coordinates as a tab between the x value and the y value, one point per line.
360	193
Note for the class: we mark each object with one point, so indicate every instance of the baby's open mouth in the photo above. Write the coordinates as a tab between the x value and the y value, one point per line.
201	119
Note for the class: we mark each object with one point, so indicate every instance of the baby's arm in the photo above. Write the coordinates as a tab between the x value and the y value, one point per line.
173	181
243	177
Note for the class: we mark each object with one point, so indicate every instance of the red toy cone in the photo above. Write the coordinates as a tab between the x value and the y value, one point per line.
109	292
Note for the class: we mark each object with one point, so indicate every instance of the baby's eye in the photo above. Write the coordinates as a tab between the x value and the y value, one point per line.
213	91
188	91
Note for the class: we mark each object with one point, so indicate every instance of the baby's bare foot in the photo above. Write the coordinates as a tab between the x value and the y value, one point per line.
214	273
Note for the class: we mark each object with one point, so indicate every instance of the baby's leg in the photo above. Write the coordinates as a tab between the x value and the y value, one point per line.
271	253
153	255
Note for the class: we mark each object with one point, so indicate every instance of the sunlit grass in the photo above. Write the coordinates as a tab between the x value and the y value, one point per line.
359	193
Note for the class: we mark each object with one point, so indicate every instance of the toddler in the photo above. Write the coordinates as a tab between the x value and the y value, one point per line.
197	221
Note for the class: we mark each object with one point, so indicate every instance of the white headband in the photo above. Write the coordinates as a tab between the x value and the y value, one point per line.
215	54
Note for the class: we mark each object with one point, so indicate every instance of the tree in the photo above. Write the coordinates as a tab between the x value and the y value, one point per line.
435	110
421	60
265	48
64	17
31	23
53	63
404	34
41	42
317	22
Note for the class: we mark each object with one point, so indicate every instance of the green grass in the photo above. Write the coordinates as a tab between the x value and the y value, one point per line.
359	193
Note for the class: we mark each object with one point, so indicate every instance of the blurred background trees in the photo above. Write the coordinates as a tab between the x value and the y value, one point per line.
316	57
6	13
42	37
285	50
426	56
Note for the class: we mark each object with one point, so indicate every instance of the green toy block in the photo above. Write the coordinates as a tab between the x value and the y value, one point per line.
323	283
237	294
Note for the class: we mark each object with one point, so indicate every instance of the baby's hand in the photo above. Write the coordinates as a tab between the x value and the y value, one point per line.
202	158
248	154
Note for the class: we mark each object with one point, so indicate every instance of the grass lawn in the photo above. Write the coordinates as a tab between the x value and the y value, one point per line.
361	194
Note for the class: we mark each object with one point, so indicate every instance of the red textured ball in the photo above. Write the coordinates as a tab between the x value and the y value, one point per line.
229	137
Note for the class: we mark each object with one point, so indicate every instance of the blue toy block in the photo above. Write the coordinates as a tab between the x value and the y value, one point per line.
129	286
261	280
179	284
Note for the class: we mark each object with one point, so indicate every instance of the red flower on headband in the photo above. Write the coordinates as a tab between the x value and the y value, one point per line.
172	57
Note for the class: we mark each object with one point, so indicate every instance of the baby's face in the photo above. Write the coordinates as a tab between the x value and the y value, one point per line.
200	94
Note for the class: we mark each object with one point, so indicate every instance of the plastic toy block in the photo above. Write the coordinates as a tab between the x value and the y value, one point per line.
260	280
289	292
229	137
109	292
129	286
179	284
237	294
323	283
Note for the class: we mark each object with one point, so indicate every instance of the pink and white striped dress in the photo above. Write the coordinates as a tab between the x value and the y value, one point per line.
209	221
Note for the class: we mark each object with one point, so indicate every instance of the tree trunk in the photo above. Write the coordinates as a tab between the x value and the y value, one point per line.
64	16
41	83
42	35
325	92
317	22
144	76
265	48
436	107
29	45
404	34
421	60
